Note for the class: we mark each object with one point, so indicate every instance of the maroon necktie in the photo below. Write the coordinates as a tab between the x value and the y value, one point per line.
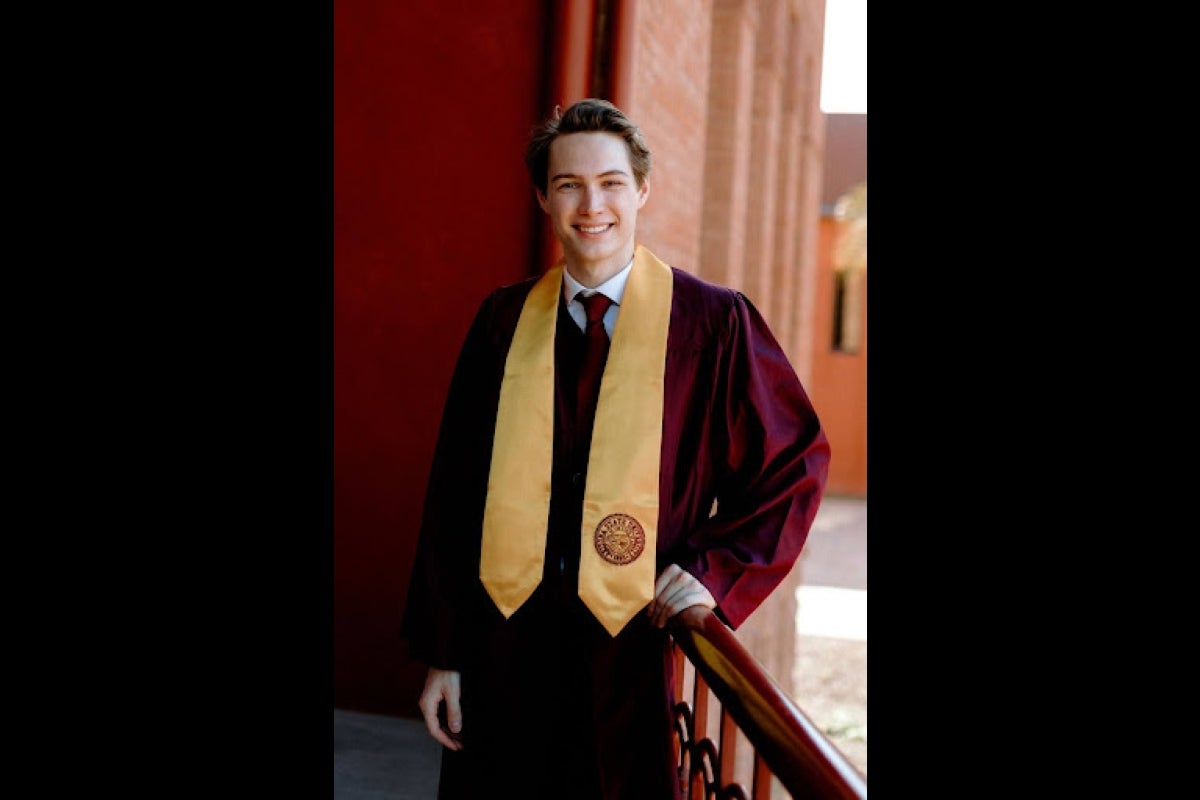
594	356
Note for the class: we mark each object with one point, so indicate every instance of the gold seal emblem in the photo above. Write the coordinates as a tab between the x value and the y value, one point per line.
619	539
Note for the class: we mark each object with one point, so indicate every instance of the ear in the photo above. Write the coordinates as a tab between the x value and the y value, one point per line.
643	193
541	198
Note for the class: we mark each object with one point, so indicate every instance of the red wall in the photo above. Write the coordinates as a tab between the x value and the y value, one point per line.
433	100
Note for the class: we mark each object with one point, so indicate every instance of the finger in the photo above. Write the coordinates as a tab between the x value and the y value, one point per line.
696	594
444	738
667	602
679	580
673	601
453	710
447	742
669	573
669	576
674	596
432	724
441	688
682	596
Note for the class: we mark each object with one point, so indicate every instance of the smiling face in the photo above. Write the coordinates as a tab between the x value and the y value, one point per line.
592	200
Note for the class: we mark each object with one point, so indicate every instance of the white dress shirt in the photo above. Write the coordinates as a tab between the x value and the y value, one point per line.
613	289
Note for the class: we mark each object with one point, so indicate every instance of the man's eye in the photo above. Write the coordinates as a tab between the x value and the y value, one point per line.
567	185
614	183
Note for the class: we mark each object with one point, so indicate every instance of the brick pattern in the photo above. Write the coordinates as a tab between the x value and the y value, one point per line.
803	337
728	95
727	156
787	206
669	99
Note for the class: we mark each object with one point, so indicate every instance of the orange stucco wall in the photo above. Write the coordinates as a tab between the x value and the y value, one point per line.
839	380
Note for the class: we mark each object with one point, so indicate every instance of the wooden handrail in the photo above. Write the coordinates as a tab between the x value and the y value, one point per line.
793	747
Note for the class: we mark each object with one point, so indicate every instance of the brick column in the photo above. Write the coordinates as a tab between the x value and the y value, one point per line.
787	207
727	153
764	153
803	335
668	97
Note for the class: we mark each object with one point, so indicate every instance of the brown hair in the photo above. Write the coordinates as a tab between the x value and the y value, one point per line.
586	116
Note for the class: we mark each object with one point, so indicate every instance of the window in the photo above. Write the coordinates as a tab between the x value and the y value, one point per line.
849	269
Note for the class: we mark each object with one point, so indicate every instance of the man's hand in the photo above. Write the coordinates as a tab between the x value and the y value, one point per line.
675	590
442	685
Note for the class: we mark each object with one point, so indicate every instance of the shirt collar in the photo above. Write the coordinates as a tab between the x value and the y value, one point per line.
613	288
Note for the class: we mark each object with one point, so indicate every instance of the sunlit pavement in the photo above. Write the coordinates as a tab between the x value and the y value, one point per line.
829	679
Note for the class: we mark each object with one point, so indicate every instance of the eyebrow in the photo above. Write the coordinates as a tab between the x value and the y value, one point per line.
601	175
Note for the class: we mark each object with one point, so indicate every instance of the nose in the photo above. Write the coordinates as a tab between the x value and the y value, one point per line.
591	200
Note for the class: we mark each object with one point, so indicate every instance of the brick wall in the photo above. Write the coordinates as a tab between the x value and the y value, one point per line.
669	100
727	93
727	155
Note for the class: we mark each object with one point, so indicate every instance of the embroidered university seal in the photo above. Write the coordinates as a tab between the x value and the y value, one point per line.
619	539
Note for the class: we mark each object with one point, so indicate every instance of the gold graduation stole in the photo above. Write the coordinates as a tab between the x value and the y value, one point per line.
620	503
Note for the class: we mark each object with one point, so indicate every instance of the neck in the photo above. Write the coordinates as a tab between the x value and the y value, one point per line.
593	273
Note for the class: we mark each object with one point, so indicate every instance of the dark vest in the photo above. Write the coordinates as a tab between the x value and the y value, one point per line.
572	439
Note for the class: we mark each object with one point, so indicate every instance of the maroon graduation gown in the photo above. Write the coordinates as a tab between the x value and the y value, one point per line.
549	699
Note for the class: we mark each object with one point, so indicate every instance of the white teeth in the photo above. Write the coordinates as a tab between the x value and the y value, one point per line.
593	229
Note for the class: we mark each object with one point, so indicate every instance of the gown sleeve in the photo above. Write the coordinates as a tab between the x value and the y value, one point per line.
774	465
447	557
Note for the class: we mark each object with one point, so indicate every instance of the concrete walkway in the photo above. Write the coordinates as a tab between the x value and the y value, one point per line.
387	758
383	758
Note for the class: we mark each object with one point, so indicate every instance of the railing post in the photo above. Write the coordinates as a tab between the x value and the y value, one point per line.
787	745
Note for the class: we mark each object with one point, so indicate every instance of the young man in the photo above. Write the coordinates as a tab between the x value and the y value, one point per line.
570	516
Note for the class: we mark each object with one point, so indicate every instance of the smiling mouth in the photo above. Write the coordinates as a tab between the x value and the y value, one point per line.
593	228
